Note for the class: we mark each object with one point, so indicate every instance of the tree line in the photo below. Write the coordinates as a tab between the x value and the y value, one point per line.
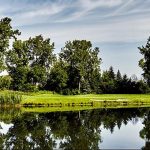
32	65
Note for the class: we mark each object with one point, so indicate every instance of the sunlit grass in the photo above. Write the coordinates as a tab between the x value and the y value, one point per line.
10	98
48	98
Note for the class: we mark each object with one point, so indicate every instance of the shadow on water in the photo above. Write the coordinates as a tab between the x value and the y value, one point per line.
80	129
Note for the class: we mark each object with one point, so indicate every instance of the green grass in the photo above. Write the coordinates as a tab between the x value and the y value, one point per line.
49	98
77	102
10	98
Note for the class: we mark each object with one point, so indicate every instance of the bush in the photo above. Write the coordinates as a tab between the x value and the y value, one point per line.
5	82
75	92
70	92
30	88
66	92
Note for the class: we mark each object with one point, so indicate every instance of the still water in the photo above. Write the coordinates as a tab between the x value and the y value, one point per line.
88	129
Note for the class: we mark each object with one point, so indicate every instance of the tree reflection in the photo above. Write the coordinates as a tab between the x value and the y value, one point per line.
69	130
29	132
145	132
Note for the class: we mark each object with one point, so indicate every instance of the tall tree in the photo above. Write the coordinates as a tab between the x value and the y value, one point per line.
82	60
42	57
111	73
118	76
144	63
6	33
108	81
29	62
18	64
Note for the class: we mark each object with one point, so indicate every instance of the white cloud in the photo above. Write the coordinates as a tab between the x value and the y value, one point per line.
86	6
119	30
113	28
91	4
49	10
36	11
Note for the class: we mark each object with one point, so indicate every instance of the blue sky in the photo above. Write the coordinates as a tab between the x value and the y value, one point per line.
117	27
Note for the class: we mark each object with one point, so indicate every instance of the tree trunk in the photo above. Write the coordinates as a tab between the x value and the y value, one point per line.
79	86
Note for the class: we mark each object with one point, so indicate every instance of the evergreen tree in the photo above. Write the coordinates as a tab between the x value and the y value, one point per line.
111	73
118	76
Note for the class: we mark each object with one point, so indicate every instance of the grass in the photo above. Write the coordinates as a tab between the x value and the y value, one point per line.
10	98
48	98
56	102
45	98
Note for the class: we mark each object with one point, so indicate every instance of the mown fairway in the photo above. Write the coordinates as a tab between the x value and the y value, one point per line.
48	98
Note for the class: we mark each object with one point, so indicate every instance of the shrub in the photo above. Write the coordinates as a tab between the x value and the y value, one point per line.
66	92
30	88
5	82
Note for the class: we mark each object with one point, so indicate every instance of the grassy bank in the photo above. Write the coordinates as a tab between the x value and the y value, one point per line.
47	98
50	99
10	98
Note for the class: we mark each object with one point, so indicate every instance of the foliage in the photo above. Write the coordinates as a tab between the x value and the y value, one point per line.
29	62
58	77
82	61
6	33
41	58
144	63
5	82
33	66
121	84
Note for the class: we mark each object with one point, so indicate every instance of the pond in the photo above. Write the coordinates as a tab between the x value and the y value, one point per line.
124	128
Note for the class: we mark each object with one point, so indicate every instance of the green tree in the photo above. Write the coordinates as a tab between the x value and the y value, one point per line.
58	77
18	64
82	61
118	82
42	57
144	63
108	81
6	33
111	73
118	76
29	62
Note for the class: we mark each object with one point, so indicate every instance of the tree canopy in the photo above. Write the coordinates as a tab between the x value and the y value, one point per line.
32	65
144	63
6	33
83	62
29	62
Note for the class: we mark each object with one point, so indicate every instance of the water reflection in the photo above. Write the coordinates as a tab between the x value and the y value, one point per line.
74	130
